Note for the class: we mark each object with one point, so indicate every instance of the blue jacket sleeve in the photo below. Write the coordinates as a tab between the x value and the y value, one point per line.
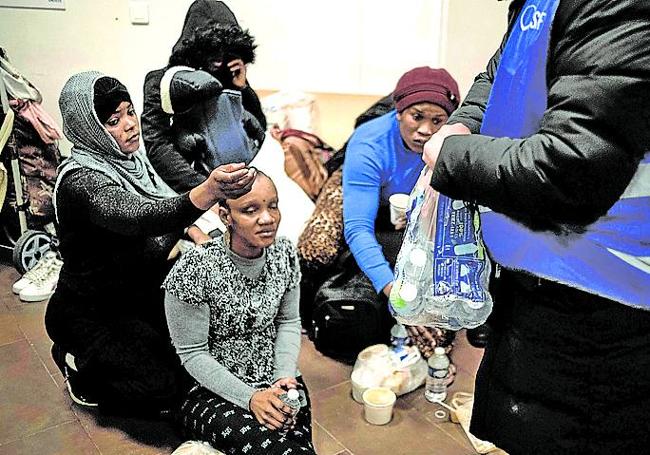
362	177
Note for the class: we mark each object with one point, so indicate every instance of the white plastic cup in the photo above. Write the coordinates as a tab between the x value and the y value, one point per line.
398	202
357	387
378	405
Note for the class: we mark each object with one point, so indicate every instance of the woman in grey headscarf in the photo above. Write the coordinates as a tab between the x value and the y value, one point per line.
117	223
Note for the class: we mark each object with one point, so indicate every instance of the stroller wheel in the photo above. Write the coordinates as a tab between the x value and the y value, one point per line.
29	249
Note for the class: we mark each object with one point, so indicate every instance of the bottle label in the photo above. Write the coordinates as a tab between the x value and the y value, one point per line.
438	373
459	257
398	342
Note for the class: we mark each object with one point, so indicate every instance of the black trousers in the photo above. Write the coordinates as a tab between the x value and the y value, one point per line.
126	363
227	427
564	372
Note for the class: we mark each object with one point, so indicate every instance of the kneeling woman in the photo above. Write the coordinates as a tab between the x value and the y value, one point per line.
232	310
117	223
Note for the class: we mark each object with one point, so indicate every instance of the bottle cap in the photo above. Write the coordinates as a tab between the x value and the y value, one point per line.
399	331
475	304
439	350
418	257
293	394
408	292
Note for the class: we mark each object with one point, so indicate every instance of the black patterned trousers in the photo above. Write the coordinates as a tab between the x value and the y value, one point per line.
206	416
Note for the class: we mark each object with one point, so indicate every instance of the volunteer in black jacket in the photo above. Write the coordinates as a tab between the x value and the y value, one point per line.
566	371
200	46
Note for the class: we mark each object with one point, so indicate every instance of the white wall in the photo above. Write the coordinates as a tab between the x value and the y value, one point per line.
48	46
473	31
340	46
344	46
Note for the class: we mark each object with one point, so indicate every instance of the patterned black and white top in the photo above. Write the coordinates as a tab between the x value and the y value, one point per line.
244	298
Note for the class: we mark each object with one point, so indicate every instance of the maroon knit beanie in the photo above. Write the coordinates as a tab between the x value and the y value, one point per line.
429	85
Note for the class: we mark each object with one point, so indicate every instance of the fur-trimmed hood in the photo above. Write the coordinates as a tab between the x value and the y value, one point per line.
199	14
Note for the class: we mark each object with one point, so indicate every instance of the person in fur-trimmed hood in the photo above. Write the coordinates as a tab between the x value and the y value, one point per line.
210	55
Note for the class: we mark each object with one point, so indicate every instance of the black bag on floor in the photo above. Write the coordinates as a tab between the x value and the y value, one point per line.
348	315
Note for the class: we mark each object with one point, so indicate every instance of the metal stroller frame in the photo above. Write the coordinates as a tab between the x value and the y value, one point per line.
32	244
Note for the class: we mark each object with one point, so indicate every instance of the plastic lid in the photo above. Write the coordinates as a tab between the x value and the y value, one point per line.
399	331
475	304
408	292
418	257
439	350
293	394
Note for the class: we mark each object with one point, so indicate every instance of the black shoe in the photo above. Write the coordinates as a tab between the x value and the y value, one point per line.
76	387
77	390
59	357
479	336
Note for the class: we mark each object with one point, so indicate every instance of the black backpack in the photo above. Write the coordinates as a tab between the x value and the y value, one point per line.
348	315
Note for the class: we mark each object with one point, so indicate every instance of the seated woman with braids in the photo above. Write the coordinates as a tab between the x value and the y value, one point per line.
232	310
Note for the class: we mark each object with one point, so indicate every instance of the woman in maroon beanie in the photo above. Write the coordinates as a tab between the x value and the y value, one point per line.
384	157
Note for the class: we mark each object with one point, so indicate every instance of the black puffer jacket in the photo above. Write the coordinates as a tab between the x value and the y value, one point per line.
566	371
593	134
174	165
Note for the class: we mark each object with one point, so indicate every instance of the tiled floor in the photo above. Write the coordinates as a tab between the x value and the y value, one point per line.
37	416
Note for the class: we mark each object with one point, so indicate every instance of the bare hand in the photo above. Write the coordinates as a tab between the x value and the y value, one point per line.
417	331
387	289
286	383
238	70
400	224
268	408
276	132
228	181
434	145
197	235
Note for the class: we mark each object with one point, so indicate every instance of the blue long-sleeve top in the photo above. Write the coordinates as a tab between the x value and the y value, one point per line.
377	165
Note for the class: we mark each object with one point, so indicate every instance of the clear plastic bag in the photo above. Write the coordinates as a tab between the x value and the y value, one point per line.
442	270
380	366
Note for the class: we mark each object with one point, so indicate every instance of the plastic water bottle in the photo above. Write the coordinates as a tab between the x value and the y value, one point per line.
473	313
436	385
406	300
292	399
407	297
416	269
398	337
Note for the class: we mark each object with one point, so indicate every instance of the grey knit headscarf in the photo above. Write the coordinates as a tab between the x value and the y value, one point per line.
94	148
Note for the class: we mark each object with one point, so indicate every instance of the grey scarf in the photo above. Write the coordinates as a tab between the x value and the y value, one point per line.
94	148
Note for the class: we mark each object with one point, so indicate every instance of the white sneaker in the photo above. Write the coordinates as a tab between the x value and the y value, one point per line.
196	448
36	273
43	287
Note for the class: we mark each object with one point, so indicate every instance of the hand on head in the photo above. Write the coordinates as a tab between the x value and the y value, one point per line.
232	180
228	181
